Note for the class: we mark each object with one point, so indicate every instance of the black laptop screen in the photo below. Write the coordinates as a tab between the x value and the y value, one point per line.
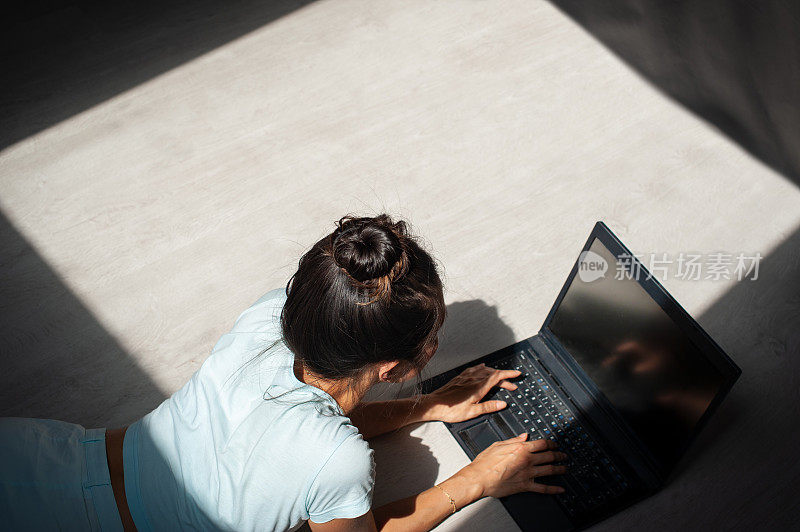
643	363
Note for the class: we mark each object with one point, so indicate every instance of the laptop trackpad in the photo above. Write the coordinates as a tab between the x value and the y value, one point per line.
480	436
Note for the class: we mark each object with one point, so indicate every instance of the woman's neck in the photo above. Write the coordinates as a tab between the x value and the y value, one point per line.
344	394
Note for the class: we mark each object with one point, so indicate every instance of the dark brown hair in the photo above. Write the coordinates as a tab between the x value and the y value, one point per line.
364	294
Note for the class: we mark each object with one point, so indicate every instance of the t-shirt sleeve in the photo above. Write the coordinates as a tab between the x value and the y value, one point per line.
343	486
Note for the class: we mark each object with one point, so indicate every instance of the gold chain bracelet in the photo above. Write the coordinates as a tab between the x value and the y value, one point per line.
452	501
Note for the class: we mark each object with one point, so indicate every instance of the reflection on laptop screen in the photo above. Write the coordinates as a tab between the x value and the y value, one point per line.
636	355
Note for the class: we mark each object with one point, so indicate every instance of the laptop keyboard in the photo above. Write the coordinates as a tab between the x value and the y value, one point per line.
537	407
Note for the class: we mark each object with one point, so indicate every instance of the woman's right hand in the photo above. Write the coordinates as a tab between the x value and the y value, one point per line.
513	465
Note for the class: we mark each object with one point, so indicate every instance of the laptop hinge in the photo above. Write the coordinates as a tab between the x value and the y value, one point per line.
611	425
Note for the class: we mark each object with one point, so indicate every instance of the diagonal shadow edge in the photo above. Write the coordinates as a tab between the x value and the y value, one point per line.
736	66
58	361
60	58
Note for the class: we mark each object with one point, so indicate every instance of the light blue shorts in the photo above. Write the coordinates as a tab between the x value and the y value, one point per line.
54	476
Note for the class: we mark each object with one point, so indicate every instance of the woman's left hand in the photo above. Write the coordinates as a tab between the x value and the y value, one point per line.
460	399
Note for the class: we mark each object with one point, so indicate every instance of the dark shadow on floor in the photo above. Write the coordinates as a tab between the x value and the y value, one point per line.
735	64
394	478
61	57
471	330
58	361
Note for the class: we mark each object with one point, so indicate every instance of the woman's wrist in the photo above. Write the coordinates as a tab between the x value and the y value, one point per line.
426	409
427	509
463	488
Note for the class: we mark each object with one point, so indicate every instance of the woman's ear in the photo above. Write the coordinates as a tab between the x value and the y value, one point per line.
387	371
398	372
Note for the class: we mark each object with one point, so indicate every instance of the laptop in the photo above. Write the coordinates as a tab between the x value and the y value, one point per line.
620	375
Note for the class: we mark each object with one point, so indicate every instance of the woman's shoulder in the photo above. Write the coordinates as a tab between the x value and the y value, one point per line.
356	455
313	440
329	433
343	483
346	441
262	315
319	461
276	296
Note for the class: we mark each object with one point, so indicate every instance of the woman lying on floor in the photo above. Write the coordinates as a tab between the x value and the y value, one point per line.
271	431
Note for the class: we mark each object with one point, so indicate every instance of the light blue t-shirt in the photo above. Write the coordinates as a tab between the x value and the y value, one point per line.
220	454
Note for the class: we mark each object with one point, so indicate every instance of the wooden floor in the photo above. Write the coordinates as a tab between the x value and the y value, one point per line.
135	229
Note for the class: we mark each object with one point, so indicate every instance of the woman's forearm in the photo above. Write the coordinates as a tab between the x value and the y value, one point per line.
425	510
380	417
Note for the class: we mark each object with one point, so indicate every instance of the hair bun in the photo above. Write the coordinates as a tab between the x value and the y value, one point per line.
369	248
